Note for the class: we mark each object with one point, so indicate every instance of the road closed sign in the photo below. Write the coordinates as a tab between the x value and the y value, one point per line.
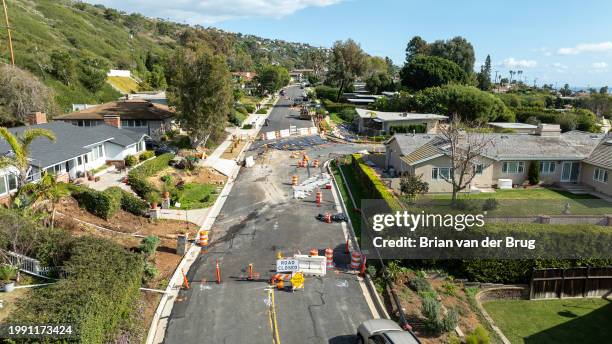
287	265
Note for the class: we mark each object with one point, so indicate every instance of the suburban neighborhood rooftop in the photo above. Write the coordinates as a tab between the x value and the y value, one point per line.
397	116
512	125
127	109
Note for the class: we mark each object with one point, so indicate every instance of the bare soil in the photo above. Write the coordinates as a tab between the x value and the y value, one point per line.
232	151
201	175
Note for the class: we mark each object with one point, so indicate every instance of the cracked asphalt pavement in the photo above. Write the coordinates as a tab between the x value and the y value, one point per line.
259	218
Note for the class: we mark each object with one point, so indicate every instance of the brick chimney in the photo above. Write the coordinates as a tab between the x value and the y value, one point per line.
113	120
37	118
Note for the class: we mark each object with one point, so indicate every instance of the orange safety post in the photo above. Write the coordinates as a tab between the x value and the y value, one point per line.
319	198
203	238
362	269
315	163
218	272
329	257
294	180
314	252
250	272
355	260
185	281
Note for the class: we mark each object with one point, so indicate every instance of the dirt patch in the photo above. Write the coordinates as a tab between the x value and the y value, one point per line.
232	151
128	223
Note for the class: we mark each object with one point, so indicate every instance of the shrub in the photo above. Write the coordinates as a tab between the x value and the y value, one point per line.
250	108
7	272
137	178
490	204
533	173
465	205
373	188
262	111
131	203
146	155
247	126
338	107
326	92
416	128
97	296
149	245
242	110
479	336
102	204
167	179
449	289
150	272
131	160
419	284
430	308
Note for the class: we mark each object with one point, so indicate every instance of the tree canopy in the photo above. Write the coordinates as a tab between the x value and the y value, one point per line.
429	71
272	78
465	102
22	93
201	90
347	62
457	49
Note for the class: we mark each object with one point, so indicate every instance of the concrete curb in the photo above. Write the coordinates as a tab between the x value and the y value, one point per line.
487	316
369	292
157	330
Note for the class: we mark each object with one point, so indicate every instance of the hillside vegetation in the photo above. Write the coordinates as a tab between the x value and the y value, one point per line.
69	45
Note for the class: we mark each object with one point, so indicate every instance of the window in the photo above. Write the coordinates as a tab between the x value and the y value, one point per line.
600	175
12	182
513	167
80	161
56	169
133	123
440	173
97	152
547	167
478	168
2	185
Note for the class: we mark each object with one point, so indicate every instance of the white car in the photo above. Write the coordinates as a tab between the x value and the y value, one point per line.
383	331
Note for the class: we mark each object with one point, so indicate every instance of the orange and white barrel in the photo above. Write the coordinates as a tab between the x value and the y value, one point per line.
329	257
319	198
203	241
315	163
355	260
314	252
327	218
294	180
263	136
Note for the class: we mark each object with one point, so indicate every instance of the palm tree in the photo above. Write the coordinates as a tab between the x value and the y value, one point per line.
20	146
47	189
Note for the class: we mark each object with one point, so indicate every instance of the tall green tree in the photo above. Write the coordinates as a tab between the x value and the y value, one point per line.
566	91
429	71
416	46
347	62
484	76
272	78
20	146
63	67
200	87
47	189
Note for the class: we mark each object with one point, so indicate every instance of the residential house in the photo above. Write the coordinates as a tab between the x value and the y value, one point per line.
378	122
573	157
75	151
137	115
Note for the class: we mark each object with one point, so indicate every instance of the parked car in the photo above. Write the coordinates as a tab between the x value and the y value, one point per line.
163	149
282	92
383	331
151	144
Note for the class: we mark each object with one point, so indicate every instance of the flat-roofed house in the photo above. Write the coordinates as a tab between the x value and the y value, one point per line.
379	122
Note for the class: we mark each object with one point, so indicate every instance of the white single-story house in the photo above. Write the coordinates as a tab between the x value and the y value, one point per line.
75	151
379	122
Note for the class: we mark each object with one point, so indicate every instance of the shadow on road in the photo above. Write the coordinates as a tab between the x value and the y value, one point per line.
344	339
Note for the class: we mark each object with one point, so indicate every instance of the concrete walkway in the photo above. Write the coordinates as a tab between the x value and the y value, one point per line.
196	216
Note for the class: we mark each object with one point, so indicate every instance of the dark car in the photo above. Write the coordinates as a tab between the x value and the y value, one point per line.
151	144
163	149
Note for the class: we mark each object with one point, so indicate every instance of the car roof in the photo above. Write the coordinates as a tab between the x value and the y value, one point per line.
380	325
401	337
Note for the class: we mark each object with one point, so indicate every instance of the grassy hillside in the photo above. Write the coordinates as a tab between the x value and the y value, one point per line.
115	40
125	84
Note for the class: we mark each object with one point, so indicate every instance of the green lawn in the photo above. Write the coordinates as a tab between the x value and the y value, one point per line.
520	202
553	321
125	84
336	119
196	196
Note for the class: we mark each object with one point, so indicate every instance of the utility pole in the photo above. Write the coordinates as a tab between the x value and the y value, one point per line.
8	29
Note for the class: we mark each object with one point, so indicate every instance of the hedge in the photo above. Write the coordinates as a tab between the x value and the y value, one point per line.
326	92
373	188
131	203
130	160
102	204
417	128
337	107
146	155
99	294
137	178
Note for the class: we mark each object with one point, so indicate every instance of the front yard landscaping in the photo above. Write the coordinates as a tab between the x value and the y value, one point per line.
553	321
516	202
197	196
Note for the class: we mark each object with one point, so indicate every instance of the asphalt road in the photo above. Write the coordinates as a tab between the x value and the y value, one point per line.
259	218
282	116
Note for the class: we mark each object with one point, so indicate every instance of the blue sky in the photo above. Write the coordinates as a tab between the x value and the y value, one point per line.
553	41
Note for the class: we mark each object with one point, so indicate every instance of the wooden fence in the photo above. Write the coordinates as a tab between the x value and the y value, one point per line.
571	282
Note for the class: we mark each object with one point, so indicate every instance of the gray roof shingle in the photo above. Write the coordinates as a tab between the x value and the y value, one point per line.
70	141
602	155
